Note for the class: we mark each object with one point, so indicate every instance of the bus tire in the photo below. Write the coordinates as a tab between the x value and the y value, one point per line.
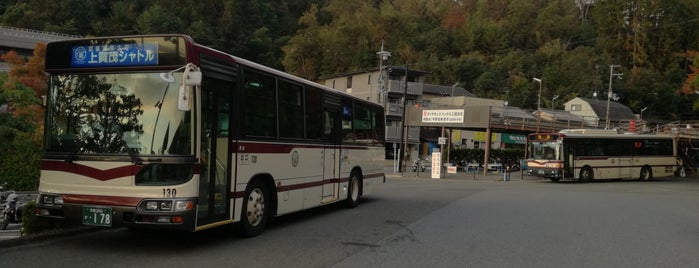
646	173
255	212
586	174
353	191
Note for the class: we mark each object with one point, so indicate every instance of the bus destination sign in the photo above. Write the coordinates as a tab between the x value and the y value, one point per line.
114	55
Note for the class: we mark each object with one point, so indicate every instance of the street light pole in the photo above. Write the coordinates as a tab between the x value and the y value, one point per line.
552	102
538	102
609	93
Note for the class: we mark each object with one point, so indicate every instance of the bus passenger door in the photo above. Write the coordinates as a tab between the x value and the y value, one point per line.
215	173
624	167
331	152
625	159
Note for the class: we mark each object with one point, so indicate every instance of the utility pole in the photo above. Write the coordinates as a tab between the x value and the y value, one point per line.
380	95
404	128
609	93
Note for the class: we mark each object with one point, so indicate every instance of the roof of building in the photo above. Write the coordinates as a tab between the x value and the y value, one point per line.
24	41
27	39
512	112
561	115
617	111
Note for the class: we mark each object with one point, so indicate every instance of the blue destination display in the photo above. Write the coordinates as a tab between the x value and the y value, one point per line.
114	55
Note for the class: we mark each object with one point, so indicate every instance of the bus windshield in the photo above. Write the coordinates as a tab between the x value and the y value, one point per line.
124	113
544	150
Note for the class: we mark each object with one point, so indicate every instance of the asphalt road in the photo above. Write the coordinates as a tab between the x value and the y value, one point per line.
422	222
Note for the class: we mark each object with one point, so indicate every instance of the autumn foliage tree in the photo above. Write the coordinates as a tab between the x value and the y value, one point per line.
21	91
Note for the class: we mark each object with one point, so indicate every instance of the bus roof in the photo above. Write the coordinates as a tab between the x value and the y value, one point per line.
601	133
59	58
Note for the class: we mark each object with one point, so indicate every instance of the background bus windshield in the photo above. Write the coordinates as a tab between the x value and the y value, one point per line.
110	113
548	150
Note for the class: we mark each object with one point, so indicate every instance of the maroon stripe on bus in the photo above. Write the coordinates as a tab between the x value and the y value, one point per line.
98	174
545	161
279	148
101	200
292	187
592	158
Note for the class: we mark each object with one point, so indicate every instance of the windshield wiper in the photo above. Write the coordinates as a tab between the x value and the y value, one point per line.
135	158
72	154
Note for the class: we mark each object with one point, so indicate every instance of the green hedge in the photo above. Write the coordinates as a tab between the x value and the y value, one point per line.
31	224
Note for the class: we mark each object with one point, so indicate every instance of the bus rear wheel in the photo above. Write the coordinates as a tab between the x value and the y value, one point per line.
586	174
255	213
646	174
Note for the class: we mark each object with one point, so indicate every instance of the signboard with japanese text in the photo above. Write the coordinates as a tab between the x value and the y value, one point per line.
514	138
436	165
113	55
443	116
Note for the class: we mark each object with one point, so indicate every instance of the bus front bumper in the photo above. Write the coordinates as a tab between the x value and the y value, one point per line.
545	172
118	216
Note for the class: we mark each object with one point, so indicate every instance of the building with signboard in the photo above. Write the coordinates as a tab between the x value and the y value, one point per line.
387	86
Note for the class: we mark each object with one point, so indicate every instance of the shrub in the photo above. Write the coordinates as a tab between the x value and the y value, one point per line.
31	224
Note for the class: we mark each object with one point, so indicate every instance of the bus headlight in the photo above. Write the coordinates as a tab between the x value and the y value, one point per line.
50	200
152	205
166	205
183	205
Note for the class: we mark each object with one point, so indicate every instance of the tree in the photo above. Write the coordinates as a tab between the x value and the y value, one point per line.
157	19
20	125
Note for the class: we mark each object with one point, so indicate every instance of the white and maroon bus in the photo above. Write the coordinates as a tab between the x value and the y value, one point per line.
589	154
159	131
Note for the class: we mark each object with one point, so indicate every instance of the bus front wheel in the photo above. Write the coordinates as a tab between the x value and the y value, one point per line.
353	191
255	213
646	174
586	174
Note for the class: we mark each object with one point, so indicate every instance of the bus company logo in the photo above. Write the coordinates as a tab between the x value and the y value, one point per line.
294	158
79	54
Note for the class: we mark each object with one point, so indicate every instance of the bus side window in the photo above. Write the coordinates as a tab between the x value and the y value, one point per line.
347	124
315	130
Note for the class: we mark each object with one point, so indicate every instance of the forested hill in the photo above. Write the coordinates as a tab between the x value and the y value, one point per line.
493	48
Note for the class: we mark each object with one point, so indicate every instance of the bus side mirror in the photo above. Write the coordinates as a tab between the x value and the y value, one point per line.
192	78
184	100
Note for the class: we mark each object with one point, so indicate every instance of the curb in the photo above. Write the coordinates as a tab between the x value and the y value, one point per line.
50	234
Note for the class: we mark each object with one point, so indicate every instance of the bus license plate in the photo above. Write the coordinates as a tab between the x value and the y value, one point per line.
99	216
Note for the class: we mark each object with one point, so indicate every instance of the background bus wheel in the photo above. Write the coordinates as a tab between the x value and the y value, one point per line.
255	212
646	174
353	191
586	174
